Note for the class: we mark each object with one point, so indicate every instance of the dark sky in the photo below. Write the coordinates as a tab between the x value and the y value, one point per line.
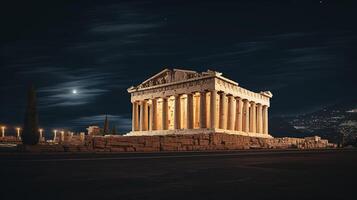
302	51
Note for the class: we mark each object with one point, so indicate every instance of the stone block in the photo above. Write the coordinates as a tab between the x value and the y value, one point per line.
117	149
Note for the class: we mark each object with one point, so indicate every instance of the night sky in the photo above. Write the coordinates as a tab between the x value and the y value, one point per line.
302	51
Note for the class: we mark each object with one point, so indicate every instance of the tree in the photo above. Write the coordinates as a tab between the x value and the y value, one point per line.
106	125
30	135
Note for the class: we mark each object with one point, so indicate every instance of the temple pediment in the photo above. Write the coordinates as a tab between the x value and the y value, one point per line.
171	75
267	94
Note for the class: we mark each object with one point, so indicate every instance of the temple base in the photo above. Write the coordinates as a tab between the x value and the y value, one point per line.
195	131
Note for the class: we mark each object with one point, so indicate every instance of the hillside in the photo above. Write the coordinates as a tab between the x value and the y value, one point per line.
330	122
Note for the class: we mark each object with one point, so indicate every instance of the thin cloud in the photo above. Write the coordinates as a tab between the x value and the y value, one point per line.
239	49
88	86
122	28
121	122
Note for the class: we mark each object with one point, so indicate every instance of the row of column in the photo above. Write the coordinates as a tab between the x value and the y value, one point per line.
225	112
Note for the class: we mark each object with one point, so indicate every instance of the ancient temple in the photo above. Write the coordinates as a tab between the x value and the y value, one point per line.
177	101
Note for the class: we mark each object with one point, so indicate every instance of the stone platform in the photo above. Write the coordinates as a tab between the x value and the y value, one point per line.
193	142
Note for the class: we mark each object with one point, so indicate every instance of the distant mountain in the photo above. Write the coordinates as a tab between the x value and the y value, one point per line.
331	122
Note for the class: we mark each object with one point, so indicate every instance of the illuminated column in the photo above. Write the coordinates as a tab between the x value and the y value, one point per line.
213	111
3	131
231	113
259	118
239	114
18	132
135	117
222	113
164	114
141	124
265	119
143	115
153	115
177	115
203	111
146	116
245	115
252	117
189	111
150	115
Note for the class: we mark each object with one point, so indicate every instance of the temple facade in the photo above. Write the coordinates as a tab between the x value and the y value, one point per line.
176	101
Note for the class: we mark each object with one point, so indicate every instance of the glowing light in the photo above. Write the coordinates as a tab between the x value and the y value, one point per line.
41	130
3	131
18	131
74	91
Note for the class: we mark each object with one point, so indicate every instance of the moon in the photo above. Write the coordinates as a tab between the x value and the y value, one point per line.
74	91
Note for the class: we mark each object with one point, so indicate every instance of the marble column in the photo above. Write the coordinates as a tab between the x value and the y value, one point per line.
143	115
259	118
189	111
153	115
213	112
245	115
265	119
177	114
135	117
164	114
252	117
141	124
231	113
203	111
222	113
239	114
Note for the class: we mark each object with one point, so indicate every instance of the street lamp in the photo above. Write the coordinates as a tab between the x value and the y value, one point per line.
3	131
55	135
18	132
62	136
41	131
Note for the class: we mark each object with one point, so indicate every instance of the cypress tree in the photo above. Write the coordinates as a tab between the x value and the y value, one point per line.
30	134
106	125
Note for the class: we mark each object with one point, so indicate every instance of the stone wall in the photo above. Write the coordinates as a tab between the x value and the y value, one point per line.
10	139
196	142
200	142
69	139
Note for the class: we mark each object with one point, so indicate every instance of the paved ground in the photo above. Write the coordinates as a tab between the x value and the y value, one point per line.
329	174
